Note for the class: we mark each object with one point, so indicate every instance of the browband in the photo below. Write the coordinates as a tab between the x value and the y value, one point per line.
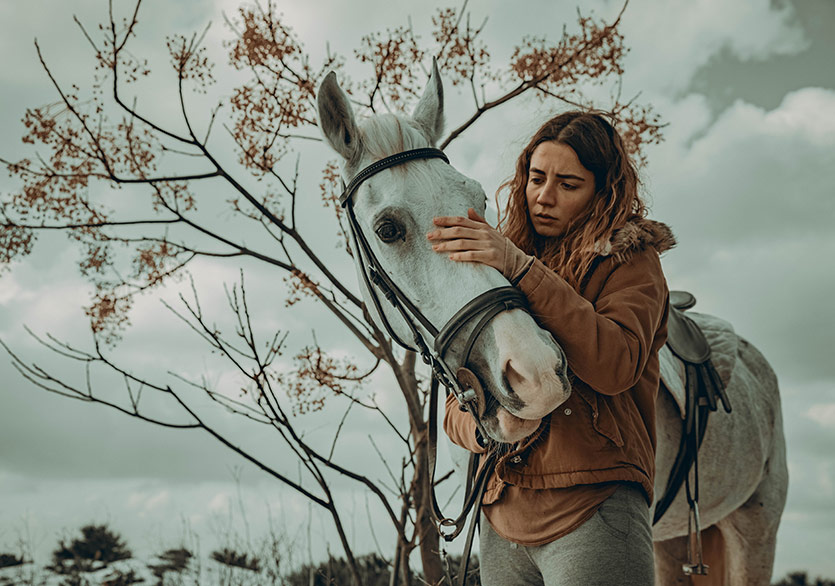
385	163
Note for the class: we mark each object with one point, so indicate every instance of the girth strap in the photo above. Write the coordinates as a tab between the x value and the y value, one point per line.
691	440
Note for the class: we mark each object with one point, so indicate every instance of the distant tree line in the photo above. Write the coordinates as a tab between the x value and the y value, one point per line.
803	579
88	559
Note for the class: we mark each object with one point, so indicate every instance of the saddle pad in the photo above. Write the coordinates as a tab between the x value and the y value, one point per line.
724	346
672	376
724	343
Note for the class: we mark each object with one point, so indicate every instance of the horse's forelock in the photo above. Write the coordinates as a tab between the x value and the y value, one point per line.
388	134
384	135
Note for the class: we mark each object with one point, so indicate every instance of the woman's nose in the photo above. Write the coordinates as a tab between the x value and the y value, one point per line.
548	195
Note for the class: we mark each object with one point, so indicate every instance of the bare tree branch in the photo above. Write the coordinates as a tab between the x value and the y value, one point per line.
532	83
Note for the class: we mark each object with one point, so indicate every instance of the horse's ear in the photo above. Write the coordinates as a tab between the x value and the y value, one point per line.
429	113
336	119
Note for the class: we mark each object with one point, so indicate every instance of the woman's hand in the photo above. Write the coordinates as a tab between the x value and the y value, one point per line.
472	239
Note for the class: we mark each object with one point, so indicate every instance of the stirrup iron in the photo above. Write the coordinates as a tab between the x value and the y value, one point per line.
694	544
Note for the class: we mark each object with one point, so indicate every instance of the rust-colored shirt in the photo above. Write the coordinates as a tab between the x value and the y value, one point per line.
535	517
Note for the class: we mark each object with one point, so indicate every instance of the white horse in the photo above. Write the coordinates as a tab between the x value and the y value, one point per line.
517	362
743	475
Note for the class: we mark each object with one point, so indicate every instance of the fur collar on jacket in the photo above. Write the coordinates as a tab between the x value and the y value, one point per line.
637	235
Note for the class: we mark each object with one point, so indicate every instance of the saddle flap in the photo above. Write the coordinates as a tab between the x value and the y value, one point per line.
685	338
724	345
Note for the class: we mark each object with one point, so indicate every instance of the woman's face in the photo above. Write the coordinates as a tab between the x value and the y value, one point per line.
558	188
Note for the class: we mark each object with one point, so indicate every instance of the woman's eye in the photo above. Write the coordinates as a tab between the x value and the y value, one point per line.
535	180
569	187
390	231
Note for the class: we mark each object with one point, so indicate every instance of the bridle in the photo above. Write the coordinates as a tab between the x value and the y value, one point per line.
460	381
483	308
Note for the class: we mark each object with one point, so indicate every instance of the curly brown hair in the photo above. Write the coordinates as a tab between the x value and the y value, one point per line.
601	150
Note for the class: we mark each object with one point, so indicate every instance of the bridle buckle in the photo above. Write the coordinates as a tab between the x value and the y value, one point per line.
472	395
468	395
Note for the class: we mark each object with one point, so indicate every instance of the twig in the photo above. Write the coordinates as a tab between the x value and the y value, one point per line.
339	429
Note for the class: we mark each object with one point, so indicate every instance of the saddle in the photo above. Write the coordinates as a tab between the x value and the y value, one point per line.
703	389
684	337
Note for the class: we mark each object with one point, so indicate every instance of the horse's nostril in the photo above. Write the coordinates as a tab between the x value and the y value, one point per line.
514	378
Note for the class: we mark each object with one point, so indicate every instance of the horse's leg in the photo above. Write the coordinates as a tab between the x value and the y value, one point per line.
750	532
713	550
671	555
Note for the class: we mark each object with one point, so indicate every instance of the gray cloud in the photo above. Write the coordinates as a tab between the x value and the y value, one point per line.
750	202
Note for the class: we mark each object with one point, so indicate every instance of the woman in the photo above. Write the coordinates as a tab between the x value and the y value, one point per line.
570	504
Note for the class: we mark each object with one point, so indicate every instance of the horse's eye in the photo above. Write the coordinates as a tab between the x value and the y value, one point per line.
389	231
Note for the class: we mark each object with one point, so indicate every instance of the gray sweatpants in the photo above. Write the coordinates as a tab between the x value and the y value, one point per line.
614	547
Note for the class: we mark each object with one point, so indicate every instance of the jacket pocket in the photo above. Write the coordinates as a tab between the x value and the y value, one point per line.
602	418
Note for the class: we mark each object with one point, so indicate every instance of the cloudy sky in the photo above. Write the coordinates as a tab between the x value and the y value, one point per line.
744	178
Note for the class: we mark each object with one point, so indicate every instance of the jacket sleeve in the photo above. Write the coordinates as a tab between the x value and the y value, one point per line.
607	343
460	426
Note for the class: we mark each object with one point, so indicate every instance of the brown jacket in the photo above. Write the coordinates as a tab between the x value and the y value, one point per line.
611	334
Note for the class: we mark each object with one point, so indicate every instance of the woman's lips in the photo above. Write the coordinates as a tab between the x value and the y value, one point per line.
546	218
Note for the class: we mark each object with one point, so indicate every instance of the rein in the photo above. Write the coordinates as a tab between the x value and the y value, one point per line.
460	381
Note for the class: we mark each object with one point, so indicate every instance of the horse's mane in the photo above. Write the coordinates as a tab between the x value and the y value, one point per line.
387	134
